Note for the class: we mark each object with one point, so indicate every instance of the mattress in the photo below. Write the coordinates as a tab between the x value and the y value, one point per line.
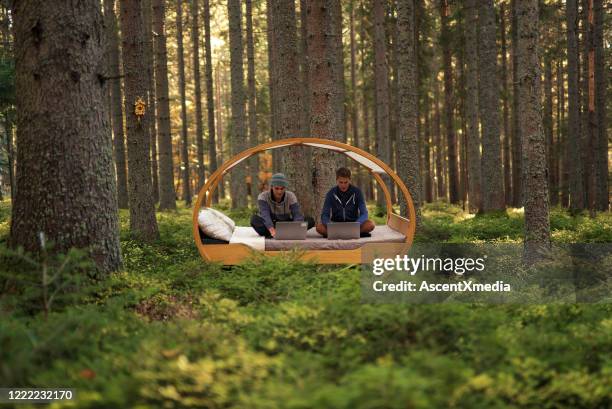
314	241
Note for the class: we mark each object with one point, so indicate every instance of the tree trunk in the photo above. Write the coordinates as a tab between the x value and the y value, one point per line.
219	119
558	146
488	103
601	144
537	225
272	78
65	179
383	149
392	46
184	135
574	158
116	102
428	175
238	128
10	156
354	109
563	158
365	144
324	44
517	183
408	155
167	195
547	123
590	116
199	136
210	102
142	207
148	35
253	137
305	119
289	97
441	188
451	138
506	109
471	109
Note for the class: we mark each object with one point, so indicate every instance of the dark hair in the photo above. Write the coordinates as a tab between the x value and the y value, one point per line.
343	173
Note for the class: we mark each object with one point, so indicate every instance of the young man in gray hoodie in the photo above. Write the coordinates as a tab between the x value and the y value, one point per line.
277	205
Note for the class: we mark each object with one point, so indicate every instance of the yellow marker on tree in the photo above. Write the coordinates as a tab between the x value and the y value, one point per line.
139	108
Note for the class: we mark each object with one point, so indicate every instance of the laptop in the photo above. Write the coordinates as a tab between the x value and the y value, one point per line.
343	230
291	230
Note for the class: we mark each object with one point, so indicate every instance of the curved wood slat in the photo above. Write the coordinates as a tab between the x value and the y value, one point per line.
234	253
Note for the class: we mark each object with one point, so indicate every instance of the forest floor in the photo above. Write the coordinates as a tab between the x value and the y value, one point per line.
172	331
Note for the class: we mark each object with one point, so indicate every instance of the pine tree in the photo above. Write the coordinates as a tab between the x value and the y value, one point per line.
289	97
324	44
473	132
537	225
574	158
488	105
408	155
238	128
210	102
184	136
451	137
199	135
167	195
142	207
65	188
116	98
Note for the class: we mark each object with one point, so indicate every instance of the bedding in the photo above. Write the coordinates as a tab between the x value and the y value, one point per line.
215	224
314	241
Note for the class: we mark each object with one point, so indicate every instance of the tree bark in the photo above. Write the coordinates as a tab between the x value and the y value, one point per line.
167	195
441	188
238	128
428	175
408	154
272	83
601	144
324	44
142	207
574	158
471	109
184	136
451	138
210	102
354	105
289	97
537	225
116	102
365	144
488	104
383	149
517	183
547	123
148	33
253	136
65	179
506	108
199	136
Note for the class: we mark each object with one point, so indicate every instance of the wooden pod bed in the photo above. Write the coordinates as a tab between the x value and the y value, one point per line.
245	241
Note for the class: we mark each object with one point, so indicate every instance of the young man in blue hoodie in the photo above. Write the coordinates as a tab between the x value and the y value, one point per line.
345	203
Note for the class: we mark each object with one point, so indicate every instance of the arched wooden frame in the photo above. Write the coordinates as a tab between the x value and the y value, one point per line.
234	253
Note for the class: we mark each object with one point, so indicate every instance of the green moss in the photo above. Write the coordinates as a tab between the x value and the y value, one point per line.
173	331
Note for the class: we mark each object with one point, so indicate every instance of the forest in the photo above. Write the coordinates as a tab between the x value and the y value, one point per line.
117	117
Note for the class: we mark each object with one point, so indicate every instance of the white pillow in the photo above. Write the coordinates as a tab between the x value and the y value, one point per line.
215	224
222	216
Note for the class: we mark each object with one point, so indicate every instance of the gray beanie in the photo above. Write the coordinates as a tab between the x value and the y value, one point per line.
279	179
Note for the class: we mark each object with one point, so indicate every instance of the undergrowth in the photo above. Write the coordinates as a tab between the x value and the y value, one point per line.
172	331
